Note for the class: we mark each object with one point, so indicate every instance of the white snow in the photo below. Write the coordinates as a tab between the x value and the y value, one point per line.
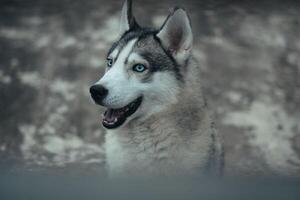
5	79
28	132
32	79
64	88
67	42
108	32
64	149
19	34
234	97
272	131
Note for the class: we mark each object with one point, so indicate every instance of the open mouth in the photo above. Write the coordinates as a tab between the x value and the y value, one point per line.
114	118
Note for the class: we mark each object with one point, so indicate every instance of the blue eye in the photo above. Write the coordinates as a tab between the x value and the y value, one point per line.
139	68
109	62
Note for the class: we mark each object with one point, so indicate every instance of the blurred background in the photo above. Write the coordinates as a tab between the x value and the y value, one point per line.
52	51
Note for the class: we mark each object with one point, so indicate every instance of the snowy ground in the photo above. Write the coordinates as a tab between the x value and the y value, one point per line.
52	51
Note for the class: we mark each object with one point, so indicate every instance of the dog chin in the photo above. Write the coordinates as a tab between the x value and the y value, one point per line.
116	117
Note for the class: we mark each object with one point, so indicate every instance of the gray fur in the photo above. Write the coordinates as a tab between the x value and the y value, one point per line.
179	141
171	134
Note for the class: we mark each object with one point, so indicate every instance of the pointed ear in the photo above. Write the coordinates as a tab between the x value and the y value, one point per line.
127	21
176	35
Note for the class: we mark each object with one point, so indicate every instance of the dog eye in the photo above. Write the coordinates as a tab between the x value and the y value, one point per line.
109	62
139	68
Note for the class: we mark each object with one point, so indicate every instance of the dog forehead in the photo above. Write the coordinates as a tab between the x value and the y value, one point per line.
147	44
151	50
128	36
141	46
121	56
148	47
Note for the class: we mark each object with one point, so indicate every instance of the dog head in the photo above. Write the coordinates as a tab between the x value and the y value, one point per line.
144	69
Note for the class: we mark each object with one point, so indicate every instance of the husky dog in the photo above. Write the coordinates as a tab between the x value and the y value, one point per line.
156	119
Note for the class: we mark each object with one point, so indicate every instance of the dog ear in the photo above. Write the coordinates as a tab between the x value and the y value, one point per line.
176	35
127	21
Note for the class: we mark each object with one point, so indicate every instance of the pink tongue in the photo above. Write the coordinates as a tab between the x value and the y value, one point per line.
109	116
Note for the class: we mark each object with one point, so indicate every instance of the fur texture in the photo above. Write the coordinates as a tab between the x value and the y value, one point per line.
171	133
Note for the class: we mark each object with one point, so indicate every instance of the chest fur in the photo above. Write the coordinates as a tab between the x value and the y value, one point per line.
156	152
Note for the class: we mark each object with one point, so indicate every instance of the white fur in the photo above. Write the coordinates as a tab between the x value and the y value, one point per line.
161	142
118	83
114	53
157	150
170	134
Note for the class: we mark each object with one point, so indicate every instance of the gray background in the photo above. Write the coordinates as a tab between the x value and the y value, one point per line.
52	51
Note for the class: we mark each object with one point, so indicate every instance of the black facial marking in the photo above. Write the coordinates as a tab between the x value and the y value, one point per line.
157	61
169	54
136	32
131	19
150	48
158	57
114	45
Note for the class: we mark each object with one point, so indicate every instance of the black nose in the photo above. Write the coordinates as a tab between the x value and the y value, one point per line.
98	93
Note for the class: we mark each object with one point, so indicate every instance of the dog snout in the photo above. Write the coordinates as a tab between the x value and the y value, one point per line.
98	93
